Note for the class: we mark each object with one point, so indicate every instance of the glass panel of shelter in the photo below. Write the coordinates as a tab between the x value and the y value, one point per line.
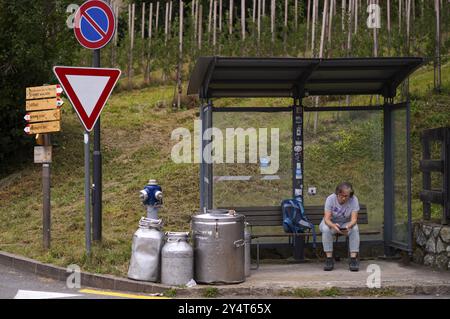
347	146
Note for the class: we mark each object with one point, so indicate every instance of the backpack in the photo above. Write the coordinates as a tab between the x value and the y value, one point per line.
294	218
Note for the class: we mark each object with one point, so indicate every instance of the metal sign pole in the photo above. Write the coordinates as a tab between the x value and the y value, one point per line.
97	169
87	204
98	16
46	214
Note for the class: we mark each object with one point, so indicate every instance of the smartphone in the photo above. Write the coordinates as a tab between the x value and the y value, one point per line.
341	229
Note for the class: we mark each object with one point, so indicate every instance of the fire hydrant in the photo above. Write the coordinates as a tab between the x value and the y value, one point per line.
151	196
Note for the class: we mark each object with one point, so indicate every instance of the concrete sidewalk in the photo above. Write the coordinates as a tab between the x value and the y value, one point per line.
290	279
273	280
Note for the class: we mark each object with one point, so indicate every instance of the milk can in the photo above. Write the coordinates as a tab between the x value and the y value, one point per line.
146	250
248	241
177	259
218	247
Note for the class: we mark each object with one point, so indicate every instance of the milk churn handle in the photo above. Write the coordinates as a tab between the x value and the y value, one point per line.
239	243
172	240
216	230
177	238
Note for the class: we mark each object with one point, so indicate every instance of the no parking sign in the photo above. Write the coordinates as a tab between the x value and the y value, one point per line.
94	24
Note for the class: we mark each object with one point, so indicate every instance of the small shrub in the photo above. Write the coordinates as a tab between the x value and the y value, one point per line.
210	292
330	292
172	292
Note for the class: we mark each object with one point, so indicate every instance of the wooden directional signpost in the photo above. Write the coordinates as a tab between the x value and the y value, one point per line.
44	116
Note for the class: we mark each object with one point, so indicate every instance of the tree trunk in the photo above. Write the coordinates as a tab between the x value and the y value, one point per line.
180	57
116	35
130	13
408	19
349	38
200	29
254	12
220	16
375	40
149	43
157	19
285	25
400	15
356	16
296	15
272	22
350	24
422	9
143	21
195	19
170	19
210	20
322	42
437	64
166	23
259	24
313	27
243	19
150	27
330	23
231	17
324	22
130	58
214	26
389	25
143	62
308	11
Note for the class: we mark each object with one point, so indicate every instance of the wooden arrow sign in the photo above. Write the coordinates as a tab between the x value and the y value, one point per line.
43	116
43	92
44	127
46	104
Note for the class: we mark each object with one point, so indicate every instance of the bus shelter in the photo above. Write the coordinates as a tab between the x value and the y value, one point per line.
371	143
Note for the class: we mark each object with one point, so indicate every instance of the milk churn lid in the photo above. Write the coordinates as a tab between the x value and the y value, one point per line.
177	236
150	223
219	214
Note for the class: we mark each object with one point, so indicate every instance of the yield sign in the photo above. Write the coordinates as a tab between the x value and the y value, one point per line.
88	89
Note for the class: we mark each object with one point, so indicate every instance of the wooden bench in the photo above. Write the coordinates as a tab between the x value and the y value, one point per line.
272	216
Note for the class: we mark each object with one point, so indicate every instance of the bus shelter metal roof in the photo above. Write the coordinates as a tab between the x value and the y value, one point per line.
216	77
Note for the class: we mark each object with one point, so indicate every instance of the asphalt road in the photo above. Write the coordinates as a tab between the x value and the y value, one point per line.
22	285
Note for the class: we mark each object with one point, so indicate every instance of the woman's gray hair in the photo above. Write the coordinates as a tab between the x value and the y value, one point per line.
346	186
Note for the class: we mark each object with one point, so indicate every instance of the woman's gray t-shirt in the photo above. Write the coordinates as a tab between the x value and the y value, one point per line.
341	213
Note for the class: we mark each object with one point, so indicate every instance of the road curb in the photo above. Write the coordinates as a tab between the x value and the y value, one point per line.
109	282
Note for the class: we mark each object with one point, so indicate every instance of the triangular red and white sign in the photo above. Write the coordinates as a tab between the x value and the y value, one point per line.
88	89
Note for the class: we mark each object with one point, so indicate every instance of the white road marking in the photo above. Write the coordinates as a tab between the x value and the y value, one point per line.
31	294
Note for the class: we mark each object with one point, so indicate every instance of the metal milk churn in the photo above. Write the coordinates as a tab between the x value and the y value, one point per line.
248	241
218	247
177	259
146	249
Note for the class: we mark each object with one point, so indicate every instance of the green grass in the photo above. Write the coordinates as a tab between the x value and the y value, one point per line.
337	292
312	293
210	292
136	146
171	292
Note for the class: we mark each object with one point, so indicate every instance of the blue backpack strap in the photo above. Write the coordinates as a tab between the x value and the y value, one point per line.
294	216
287	221
311	225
